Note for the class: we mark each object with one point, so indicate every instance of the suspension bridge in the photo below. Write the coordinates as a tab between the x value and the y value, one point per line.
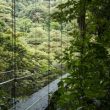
39	99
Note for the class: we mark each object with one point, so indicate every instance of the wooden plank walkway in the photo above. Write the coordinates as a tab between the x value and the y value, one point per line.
39	100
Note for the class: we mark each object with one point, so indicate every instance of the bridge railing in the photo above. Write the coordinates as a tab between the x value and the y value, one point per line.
13	90
10	86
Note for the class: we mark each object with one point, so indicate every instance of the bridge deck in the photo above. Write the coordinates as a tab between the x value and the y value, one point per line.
39	100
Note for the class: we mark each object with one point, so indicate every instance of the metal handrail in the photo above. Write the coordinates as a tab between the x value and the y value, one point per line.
13	79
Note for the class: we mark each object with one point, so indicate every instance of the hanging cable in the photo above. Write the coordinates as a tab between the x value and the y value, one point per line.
35	40
4	72
61	50
48	47
8	81
17	78
13	95
61	37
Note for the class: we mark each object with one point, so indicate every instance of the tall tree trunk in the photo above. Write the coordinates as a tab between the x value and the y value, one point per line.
82	28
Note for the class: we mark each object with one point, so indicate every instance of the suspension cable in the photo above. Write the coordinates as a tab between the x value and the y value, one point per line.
35	38
17	78
61	30
48	47
14	53
3	72
5	82
61	50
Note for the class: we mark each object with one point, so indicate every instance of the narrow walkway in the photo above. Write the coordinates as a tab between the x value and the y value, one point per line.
39	100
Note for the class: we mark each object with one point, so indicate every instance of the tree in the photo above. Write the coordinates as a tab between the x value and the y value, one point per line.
87	57
24	24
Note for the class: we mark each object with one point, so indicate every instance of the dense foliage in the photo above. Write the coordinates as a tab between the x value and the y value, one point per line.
87	57
27	52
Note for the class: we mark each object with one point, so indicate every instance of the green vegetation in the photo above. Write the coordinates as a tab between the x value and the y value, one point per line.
87	57
79	28
26	52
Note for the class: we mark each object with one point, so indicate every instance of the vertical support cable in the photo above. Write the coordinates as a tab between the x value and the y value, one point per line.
67	43
48	47
61	48
13	91
35	44
35	38
61	30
